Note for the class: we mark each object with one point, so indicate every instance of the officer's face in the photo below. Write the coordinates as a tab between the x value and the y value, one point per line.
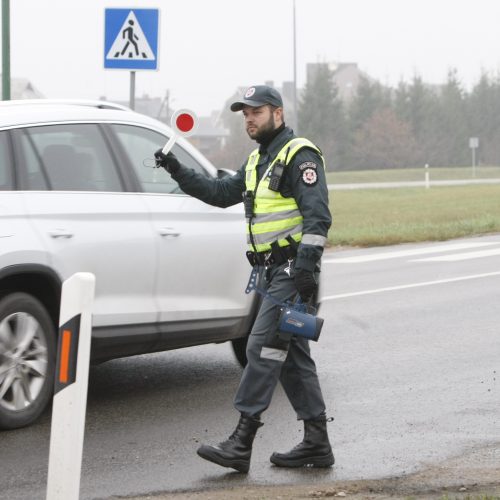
260	122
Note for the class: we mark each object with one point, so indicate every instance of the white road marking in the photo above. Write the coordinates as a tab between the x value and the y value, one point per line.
412	285
406	253
461	256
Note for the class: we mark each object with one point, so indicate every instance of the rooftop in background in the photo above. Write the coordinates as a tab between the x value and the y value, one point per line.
22	88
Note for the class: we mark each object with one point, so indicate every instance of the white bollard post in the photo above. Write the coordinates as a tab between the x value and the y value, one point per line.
70	391
427	177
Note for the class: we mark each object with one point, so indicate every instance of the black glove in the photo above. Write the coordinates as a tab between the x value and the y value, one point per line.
168	161
306	284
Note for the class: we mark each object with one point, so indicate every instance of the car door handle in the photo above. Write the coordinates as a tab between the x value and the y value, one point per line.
60	233
169	231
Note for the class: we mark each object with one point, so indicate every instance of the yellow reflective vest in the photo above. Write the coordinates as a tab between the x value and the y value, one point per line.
275	217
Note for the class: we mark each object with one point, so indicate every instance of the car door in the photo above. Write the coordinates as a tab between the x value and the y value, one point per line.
202	269
73	195
18	242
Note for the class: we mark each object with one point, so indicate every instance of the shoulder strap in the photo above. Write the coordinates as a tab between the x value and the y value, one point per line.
291	148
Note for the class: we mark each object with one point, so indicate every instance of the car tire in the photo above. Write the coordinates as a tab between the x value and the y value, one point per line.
27	359
240	350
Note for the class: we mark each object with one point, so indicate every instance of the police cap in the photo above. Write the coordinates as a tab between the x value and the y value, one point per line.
258	95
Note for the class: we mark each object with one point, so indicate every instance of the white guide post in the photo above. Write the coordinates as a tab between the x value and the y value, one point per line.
70	391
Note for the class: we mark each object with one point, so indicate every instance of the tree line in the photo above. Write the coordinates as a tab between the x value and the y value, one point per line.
381	127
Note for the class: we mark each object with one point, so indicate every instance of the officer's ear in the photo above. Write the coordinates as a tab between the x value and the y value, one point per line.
278	116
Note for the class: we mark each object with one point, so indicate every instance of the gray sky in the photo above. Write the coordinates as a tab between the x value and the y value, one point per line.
208	48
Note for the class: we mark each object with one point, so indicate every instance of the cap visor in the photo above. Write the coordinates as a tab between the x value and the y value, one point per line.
239	105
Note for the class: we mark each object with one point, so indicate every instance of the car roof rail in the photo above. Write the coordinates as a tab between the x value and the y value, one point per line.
71	102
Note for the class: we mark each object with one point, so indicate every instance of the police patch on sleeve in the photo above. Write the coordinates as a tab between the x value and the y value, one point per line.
309	174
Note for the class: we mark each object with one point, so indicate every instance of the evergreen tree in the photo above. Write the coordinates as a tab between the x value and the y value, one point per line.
420	110
321	117
454	130
483	110
371	96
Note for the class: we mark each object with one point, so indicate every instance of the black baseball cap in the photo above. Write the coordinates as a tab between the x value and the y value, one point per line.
258	95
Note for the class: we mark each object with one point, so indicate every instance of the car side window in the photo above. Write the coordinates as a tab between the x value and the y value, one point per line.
5	163
70	157
140	145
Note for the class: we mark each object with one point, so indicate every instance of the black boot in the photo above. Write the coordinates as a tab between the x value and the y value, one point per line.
314	450
236	451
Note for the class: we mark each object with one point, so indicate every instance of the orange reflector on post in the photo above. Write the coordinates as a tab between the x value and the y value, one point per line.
65	350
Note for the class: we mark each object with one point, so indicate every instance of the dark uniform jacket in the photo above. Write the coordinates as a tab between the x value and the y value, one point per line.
305	181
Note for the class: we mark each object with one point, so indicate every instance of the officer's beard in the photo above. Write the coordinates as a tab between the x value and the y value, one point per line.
265	133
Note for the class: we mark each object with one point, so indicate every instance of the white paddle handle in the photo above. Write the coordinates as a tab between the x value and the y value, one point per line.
169	144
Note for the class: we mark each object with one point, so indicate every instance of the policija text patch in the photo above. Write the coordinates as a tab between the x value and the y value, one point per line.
308	173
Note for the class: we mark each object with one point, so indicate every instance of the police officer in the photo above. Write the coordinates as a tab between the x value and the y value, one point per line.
284	190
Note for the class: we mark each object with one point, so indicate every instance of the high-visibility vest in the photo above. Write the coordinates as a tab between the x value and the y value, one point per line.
275	217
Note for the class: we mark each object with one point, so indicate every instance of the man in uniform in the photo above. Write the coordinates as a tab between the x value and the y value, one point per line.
284	190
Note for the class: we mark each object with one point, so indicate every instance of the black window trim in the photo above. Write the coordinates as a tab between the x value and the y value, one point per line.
11	171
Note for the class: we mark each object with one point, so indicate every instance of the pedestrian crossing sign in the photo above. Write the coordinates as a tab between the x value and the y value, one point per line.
131	39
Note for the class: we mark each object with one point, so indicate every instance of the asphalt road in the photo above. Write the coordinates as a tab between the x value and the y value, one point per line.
409	362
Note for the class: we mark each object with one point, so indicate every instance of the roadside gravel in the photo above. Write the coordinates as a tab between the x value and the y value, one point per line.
474	475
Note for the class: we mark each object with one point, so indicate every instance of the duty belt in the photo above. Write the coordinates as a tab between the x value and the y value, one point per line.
276	256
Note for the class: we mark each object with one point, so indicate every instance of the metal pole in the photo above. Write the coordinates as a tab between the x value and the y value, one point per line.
427	177
5	50
295	111
132	90
473	162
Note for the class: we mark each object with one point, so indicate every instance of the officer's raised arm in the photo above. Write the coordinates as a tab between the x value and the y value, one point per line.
219	192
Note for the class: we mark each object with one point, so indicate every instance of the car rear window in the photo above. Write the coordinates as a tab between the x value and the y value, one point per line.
69	157
5	163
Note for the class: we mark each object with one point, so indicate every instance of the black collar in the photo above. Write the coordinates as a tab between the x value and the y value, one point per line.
277	143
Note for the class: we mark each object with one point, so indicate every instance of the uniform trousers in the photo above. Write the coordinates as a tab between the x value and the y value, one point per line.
271	359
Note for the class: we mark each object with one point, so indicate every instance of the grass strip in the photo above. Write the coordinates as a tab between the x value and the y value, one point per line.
376	217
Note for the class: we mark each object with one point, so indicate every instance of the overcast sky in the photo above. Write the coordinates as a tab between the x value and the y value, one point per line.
210	47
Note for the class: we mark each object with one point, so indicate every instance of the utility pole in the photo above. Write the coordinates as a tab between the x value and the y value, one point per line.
295	111
5	50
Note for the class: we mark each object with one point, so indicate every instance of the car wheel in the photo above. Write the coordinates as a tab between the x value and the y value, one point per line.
240	350
27	359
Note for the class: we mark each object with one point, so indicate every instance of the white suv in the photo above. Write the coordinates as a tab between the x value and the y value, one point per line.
76	195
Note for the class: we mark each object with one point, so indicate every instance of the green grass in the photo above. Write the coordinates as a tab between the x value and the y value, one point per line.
412	174
373	217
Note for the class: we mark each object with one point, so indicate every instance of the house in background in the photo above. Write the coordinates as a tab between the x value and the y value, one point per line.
210	136
22	88
155	107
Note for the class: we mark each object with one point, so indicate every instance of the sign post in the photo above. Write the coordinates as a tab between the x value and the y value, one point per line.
473	144
131	41
6	50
